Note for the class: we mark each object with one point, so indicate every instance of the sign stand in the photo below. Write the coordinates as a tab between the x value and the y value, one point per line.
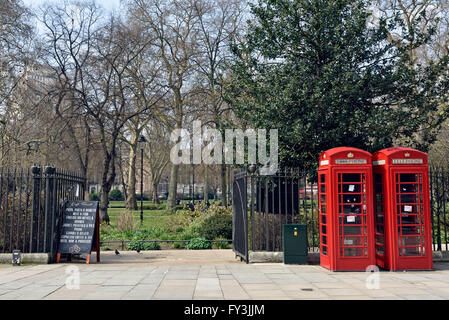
80	230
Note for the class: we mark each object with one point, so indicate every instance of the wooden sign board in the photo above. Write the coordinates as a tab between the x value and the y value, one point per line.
80	232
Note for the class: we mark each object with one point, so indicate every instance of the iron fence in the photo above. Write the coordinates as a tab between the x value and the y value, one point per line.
31	206
268	202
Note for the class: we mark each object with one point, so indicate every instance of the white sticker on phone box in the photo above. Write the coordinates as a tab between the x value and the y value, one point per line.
351	188
408	208
350	218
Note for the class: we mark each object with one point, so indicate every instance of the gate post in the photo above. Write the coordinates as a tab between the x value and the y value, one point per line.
49	212
35	209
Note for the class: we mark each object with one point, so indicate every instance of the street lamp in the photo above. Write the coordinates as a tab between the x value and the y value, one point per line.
141	142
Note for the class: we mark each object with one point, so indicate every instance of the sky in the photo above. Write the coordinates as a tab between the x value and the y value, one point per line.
108	4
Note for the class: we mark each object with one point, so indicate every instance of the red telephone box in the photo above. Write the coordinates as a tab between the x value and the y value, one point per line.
402	209
346	216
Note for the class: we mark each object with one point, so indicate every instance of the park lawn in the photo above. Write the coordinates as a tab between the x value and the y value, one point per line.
151	218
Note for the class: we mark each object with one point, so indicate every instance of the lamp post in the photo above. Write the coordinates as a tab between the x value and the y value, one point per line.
142	142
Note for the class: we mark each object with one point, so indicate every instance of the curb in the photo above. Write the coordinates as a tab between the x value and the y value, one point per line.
314	257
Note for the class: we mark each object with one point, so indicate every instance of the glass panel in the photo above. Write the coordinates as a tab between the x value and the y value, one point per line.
410	241
356	209
379	208
410	230
409	198
378	178
353	252
322	178
323	188
411	251
323	219
324	250
380	219
380	239
351	177
323	229
409	177
409	188
353	241
380	250
379	198
378	188
350	230
410	219
349	198
324	240
323	198
380	229
323	209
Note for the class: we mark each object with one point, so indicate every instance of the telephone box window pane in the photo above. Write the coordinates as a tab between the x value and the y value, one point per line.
322	178
351	177
409	177
323	219
379	198
378	178
410	241
380	239
411	251
324	250
353	252
323	198
353	241
379	208
356	209
408	188
323	209
352	230
349	198
323	188
380	250
409	198
380	229
410	219
323	229
410	230
324	240
380	219
378	188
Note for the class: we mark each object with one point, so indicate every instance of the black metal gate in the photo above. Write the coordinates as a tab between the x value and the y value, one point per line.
240	216
31	206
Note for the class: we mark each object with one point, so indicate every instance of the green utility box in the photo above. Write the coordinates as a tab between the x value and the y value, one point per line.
294	238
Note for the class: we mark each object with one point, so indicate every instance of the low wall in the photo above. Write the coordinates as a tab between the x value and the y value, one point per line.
27	258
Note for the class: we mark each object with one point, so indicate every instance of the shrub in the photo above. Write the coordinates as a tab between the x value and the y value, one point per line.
142	245
94	197
198	244
217	226
221	244
125	221
115	195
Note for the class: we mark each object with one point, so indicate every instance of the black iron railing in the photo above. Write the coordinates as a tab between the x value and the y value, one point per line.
31	206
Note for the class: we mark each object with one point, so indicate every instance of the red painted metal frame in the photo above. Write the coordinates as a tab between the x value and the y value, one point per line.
345	160
383	165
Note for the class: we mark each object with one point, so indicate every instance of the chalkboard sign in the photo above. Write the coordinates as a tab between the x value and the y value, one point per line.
80	229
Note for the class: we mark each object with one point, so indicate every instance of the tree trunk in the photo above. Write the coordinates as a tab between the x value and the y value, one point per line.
104	202
155	197
173	186
206	183
131	202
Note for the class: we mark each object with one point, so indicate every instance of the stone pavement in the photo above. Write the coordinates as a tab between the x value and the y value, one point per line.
211	274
